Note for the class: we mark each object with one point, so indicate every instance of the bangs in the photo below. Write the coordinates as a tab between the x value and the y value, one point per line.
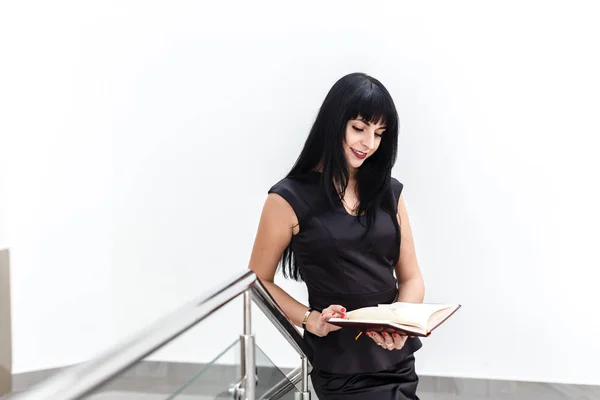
373	105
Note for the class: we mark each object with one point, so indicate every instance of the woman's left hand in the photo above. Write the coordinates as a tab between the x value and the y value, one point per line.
389	341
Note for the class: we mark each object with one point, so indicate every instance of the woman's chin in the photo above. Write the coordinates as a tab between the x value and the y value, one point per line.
354	163
357	163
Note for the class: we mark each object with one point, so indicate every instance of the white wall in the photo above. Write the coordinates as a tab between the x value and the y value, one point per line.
3	195
156	130
56	159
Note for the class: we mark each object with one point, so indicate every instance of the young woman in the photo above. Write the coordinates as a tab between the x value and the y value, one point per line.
338	223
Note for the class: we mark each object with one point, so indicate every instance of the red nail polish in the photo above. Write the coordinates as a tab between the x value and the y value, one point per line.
383	334
395	335
343	309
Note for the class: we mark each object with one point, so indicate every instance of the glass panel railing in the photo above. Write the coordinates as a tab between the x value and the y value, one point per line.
168	359
204	363
219	380
214	381
270	377
200	362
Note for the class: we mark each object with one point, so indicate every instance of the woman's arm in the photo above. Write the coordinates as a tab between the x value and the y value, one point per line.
278	222
411	287
275	230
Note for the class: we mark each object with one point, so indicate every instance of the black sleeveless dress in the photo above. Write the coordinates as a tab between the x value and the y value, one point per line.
339	267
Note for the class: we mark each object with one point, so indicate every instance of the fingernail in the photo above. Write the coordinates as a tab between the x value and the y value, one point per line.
343	309
395	335
383	334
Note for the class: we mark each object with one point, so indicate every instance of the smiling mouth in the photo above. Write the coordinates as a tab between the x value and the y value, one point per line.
359	154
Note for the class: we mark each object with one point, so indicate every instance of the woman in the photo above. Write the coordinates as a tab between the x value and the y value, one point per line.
338	222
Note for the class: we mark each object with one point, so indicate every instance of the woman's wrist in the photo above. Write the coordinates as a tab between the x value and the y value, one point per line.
311	320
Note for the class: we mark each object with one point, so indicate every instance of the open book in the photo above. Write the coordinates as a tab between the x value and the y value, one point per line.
414	319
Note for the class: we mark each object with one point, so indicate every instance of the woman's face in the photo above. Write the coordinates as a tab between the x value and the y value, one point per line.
361	141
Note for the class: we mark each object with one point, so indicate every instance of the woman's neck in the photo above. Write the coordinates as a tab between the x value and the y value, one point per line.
352	172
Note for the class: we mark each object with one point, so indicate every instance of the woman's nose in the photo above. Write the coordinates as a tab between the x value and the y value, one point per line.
369	142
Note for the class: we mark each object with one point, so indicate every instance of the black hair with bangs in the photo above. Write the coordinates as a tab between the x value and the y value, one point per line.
354	95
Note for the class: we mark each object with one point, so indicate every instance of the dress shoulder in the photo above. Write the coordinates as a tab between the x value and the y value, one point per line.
397	187
296	192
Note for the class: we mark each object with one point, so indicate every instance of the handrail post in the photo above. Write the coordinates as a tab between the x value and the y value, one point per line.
5	329
248	363
304	394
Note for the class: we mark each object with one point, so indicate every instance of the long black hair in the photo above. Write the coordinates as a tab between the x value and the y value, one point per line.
353	95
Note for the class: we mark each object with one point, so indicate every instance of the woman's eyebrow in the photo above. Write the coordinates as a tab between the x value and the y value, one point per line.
369	124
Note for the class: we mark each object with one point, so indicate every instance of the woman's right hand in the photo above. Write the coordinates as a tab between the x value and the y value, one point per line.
317	323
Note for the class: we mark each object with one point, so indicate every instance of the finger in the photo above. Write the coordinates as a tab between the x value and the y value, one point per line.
327	314
377	338
370	334
336	311
399	340
389	342
337	308
324	317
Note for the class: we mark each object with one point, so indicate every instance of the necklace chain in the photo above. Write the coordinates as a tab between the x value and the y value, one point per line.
352	209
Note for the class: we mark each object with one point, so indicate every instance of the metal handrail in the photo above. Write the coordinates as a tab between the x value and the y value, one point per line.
82	379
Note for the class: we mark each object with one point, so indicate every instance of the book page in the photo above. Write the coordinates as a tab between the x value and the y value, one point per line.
372	314
408	314
417	314
416	318
440	316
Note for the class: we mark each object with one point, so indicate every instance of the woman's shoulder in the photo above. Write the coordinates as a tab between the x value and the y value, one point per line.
300	182
297	190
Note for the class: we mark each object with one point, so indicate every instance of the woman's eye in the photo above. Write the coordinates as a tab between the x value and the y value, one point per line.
357	129
379	134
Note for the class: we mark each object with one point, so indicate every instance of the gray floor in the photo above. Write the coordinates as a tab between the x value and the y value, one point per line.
535	392
526	391
422	396
146	396
158	380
